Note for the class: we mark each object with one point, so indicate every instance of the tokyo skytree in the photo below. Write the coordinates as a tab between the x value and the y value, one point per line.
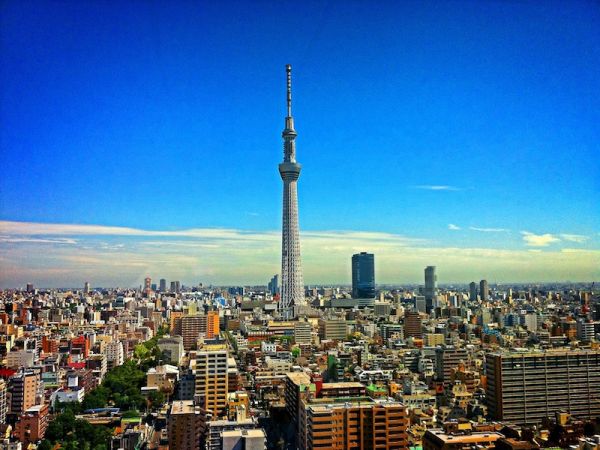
292	285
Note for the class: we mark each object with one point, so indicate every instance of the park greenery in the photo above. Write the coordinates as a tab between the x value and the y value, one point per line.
121	388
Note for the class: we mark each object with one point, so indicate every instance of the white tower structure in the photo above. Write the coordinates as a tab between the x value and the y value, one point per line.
292	284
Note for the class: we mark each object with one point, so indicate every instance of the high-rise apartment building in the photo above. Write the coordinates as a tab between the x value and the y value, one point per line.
292	284
185	426
363	275
484	291
115	354
526	387
346	423
430	283
24	388
212	380
448	358
194	326
3	401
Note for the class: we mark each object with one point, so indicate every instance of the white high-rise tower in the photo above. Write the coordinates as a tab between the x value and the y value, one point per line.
292	284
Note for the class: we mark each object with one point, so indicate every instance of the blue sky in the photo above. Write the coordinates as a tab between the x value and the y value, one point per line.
414	119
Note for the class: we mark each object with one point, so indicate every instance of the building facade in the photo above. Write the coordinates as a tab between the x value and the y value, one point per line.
526	387
363	275
212	381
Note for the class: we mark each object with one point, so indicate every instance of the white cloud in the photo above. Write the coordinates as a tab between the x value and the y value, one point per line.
453	227
578	238
489	230
538	240
23	240
437	187
119	256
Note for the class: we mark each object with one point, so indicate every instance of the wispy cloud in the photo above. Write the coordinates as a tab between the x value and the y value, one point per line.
23	240
489	230
578	238
538	240
123	256
453	227
437	187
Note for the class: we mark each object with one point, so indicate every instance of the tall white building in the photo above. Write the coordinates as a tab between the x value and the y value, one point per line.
292	284
114	354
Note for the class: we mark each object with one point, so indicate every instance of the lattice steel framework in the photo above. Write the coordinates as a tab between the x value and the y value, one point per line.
292	284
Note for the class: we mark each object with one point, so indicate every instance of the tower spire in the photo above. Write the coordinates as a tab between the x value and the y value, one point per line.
292	285
288	69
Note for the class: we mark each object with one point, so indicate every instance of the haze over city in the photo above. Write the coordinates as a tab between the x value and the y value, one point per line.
144	140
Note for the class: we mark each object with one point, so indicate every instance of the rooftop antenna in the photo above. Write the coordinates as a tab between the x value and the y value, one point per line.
288	69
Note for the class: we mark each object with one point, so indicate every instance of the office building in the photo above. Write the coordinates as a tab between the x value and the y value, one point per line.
430	284
526	387
162	285
292	284
363	275
185	426
273	286
212	381
473	291
86	287
302	332
484	291
333	329
420	303
585	330
412	324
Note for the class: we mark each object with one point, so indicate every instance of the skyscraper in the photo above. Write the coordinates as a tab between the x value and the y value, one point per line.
473	291
274	284
292	285
163	285
430	287
484	290
363	275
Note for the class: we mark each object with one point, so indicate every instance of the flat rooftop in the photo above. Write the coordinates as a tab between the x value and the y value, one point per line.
298	378
183	407
467	438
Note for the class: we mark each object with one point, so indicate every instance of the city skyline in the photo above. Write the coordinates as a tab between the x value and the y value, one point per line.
451	153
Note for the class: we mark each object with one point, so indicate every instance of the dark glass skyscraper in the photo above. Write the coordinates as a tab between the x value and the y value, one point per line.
363	275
